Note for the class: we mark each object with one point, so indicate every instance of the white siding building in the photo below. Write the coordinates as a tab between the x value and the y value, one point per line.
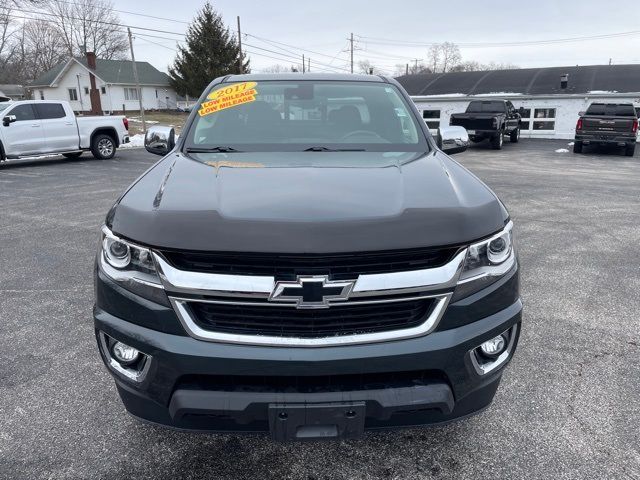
114	80
550	106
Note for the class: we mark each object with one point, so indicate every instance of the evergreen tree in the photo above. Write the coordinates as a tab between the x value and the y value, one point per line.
211	51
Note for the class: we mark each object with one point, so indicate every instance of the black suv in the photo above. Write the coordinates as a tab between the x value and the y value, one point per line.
306	261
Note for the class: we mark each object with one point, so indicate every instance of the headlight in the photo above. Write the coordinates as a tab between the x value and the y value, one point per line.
486	262
130	266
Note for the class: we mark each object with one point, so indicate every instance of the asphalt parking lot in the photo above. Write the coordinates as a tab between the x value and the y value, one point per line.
568	406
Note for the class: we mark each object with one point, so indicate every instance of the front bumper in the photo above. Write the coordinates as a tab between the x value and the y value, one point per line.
197	385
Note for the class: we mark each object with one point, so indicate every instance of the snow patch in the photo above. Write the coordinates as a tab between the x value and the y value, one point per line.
601	92
137	120
562	150
446	95
570	144
497	94
135	141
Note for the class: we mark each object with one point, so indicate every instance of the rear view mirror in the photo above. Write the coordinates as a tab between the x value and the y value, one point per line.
8	119
453	139
160	140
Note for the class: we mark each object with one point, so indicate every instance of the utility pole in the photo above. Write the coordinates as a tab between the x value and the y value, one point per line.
309	64
135	77
407	70
416	67
351	41
240	47
303	63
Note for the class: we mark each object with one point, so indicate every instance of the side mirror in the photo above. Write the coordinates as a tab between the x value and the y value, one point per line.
8	120
160	140
453	139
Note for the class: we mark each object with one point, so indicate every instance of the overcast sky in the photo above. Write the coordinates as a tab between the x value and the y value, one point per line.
323	27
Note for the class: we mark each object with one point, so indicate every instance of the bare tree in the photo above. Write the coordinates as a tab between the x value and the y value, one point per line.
277	68
468	66
433	57
89	25
43	48
473	66
450	56
366	67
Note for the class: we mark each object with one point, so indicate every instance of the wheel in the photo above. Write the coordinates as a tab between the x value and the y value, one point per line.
72	155
577	147
514	136
630	149
103	147
496	142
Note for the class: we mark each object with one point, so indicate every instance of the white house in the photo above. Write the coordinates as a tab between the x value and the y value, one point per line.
551	98
114	80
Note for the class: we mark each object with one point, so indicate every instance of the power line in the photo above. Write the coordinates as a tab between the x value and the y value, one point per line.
395	42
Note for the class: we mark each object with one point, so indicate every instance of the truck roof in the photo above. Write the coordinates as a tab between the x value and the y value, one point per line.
296	76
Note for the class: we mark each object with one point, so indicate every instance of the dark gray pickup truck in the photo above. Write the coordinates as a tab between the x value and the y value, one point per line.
608	124
306	261
489	119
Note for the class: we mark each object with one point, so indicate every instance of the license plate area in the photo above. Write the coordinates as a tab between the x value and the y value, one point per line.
291	422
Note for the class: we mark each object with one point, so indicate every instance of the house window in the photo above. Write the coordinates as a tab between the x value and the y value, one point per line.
41	95
544	119
130	93
86	90
428	115
73	94
103	90
538	119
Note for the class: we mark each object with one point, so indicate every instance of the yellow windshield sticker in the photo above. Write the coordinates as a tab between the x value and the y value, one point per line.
229	96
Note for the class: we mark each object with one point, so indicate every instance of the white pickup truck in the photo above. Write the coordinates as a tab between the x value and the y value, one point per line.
42	127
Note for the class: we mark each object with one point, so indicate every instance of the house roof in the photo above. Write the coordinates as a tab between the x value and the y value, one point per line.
527	81
11	89
109	71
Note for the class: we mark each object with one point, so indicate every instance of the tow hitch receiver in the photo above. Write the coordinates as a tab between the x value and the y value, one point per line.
290	422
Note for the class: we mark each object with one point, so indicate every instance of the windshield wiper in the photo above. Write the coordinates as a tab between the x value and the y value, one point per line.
327	149
219	149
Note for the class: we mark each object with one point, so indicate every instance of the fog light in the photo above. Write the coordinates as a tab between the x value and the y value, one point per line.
125	354
495	346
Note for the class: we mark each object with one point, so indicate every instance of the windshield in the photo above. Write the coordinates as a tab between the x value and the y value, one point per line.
486	107
305	115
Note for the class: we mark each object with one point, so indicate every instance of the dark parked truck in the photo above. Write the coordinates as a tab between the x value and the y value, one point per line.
489	119
306	261
608	124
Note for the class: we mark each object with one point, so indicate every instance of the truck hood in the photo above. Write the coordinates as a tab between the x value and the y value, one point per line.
306	202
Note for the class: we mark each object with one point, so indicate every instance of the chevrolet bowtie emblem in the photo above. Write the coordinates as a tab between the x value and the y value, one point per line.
311	291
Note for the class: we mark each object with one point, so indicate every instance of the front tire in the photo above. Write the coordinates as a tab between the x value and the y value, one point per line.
514	136
72	155
103	147
497	141
577	147
630	149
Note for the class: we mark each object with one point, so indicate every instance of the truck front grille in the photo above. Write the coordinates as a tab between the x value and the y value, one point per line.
339	266
276	321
